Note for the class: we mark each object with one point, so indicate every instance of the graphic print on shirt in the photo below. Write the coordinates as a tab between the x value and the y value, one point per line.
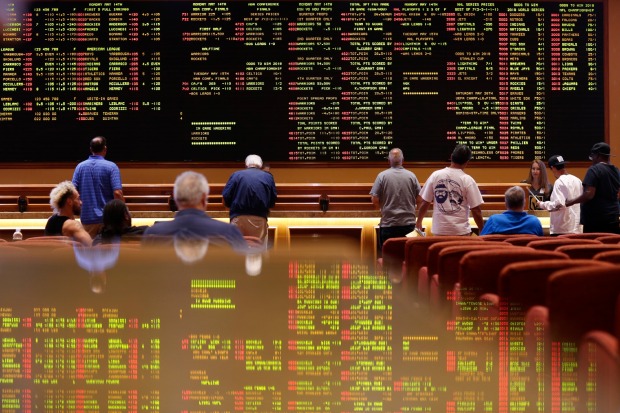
448	196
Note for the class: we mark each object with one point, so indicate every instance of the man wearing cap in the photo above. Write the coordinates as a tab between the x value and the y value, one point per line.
599	199
453	194
564	220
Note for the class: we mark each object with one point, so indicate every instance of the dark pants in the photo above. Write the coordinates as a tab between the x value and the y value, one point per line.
612	227
386	233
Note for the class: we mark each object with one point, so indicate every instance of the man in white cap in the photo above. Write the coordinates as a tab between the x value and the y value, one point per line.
599	200
563	220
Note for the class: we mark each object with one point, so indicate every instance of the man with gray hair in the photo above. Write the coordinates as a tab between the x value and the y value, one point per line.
515	220
395	192
249	194
66	203
190	193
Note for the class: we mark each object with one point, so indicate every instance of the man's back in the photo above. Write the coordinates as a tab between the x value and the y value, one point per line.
96	179
197	223
250	191
603	207
564	220
397	190
512	222
453	193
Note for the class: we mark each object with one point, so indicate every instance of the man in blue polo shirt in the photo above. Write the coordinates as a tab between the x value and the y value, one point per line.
98	181
514	220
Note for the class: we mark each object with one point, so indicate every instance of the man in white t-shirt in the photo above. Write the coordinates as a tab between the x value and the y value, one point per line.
453	194
563	220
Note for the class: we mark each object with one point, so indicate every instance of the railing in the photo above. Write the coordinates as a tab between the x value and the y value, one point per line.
292	197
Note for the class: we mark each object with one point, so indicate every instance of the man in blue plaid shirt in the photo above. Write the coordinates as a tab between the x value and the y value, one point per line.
98	181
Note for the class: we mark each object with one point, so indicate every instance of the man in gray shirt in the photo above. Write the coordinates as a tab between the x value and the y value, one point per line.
395	192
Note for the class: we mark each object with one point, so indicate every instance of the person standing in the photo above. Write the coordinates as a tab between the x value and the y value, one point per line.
453	194
514	220
98	181
563	220
249	194
395	193
66	203
599	199
538	180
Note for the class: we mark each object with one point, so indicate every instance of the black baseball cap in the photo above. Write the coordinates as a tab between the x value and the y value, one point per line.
556	160
600	148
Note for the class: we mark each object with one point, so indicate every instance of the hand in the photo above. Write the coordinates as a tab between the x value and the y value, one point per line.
569	203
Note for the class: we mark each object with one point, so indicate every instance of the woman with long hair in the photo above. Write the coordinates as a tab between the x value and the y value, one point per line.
537	178
117	224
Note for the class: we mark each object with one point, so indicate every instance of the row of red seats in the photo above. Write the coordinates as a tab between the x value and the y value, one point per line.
553	297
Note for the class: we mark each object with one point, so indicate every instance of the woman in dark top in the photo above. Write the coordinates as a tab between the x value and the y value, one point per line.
117	224
539	183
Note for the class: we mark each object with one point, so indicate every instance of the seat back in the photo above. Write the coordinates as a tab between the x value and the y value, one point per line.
550	244
585	235
586	251
503	237
608	256
49	238
582	299
393	255
449	261
522	241
432	256
426	274
524	284
610	239
480	270
416	251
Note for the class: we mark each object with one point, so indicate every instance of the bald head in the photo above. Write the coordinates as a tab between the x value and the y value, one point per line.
98	145
396	157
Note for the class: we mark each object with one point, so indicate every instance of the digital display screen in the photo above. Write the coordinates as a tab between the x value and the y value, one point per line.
302	81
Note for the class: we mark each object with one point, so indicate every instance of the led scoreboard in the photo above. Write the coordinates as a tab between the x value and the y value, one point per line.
302	81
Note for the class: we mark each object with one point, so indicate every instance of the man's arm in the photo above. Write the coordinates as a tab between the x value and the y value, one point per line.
228	191
476	213
556	201
375	201
118	194
72	228
587	194
424	205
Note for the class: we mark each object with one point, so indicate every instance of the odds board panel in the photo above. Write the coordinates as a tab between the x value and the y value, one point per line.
302	81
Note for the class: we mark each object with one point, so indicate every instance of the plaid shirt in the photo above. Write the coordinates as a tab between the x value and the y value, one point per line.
96	179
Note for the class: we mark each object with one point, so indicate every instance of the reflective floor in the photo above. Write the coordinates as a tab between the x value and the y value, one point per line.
197	328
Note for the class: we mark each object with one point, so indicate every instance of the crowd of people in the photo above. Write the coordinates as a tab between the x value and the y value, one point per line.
95	194
574	206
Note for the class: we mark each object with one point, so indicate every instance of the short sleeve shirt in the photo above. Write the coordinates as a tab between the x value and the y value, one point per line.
96	179
453	193
397	190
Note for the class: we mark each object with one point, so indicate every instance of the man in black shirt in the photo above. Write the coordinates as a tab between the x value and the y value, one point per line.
599	200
